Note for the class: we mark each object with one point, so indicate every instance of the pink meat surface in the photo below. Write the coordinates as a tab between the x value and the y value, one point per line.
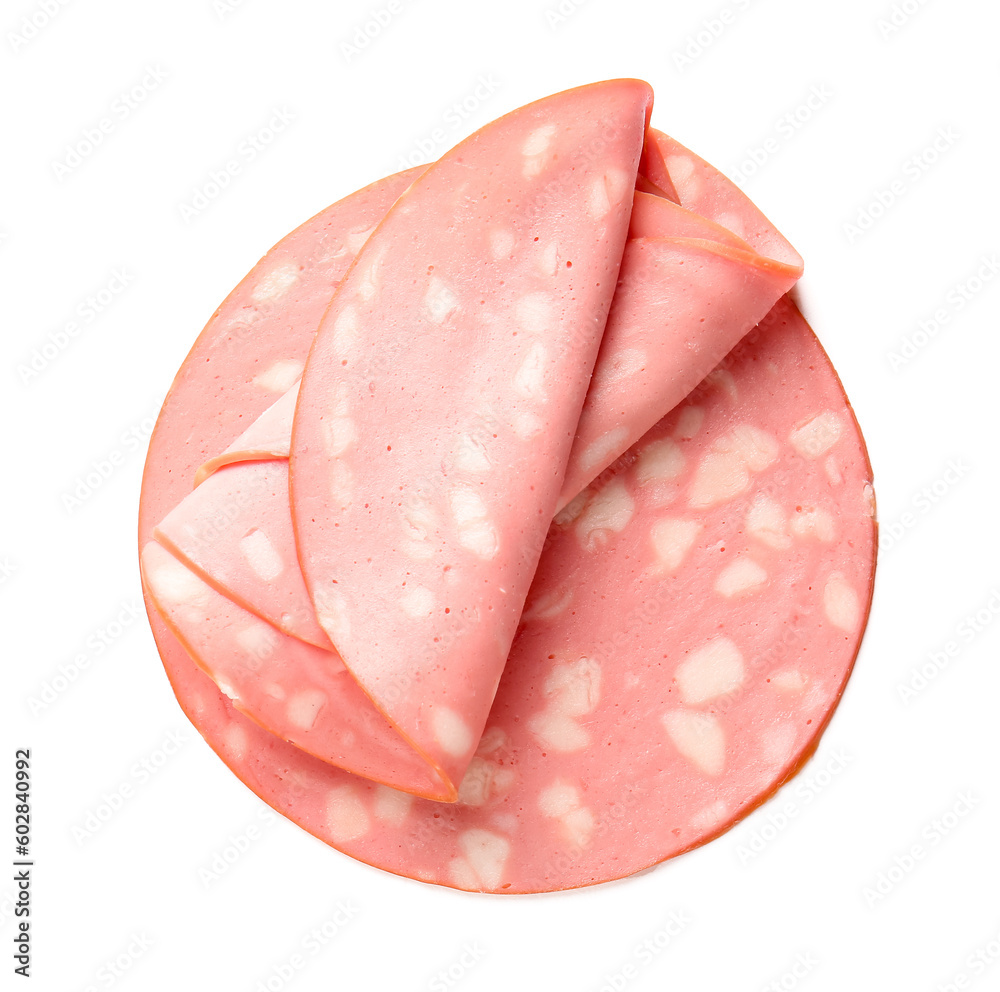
629	727
440	400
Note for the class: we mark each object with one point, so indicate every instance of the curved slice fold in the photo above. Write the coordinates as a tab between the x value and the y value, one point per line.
440	400
300	693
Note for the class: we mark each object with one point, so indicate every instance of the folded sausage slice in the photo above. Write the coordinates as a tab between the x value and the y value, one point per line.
440	400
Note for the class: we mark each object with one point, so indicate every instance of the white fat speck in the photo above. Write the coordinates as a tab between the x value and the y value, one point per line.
535	149
440	302
227	690
529	381
341	485
417	603
766	522
485	856
602	452
709	817
608	512
548	604
777	745
476	532
369	266
699	737
355	240
235	741
660	461
260	641
558	732
346	816
392	806
817	435
534	313
689	422
672	539
840	603
789	682
332	614
471	455
682	174
623	365
562	801
537	143
280	377
598	199
868	499
813	522
451	732
340	433
732	222
743	575
723	380
715	669
345	332
171	582
484	781
527	424
261	555
501	244
548	259
575	687
832	470
558	799
494	739
304	707
274	284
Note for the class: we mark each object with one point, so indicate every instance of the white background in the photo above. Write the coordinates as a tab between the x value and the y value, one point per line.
70	571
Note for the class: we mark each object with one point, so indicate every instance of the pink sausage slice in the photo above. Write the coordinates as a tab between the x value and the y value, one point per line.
298	692
440	400
697	275
628	727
